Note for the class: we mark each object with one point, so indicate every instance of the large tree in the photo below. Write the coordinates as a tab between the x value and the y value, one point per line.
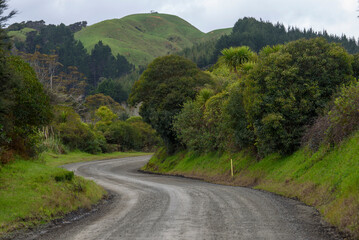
162	89
289	86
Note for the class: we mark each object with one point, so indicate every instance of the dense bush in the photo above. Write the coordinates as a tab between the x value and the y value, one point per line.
289	86
339	122
162	89
123	135
270	106
75	134
203	125
28	111
132	134
191	128
148	137
344	115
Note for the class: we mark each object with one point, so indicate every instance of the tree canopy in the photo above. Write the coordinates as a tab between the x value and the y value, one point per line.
162	89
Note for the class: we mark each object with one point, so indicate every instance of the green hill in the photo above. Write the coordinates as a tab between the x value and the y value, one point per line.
143	37
21	34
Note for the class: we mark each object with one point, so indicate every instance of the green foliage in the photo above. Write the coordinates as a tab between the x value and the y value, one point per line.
112	88
29	110
32	104
148	137
64	176
289	87
34	192
203	124
106	117
164	86
235	58
123	135
258	34
132	134
104	64
143	37
238	119
217	119
344	115
94	102
58	39
338	123
75	134
327	179
191	128
8	85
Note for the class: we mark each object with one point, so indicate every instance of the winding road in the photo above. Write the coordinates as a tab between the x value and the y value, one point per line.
147	206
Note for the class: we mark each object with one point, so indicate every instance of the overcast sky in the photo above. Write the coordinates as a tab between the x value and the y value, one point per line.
336	16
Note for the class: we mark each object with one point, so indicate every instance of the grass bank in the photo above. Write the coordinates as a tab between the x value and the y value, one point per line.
33	192
327	179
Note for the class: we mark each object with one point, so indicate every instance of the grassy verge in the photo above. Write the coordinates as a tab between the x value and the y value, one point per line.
74	157
327	179
37	191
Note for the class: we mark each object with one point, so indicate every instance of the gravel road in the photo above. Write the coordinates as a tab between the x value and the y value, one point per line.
147	206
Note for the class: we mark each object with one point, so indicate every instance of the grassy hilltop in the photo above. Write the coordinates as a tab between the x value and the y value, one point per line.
143	37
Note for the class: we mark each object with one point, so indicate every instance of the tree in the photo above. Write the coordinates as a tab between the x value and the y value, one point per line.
93	102
4	43
162	89
235	58
104	64
289	86
31	110
113	89
106	117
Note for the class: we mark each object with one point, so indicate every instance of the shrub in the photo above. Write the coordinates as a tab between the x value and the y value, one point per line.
148	137
289	86
74	133
316	134
123	134
65	176
344	115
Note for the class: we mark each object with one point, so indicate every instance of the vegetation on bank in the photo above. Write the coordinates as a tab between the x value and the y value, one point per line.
37	191
284	115
327	179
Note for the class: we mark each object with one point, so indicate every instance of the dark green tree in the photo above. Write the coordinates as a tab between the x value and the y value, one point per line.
289	86
163	88
4	43
113	89
258	34
104	64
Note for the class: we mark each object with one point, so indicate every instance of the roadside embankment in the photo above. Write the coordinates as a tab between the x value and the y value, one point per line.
33	192
327	179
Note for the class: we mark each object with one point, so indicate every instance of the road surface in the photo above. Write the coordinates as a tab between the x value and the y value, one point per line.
147	206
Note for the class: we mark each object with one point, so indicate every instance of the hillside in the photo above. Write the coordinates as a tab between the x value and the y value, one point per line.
327	179
142	37
20	35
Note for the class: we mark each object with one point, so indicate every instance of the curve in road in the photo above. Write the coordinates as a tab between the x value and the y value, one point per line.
147	206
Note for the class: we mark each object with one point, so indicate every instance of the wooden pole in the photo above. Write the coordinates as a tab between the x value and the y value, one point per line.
231	167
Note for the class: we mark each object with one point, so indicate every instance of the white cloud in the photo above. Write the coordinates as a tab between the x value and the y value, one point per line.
337	16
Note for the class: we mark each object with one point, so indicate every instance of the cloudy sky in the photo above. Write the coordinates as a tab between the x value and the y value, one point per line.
336	16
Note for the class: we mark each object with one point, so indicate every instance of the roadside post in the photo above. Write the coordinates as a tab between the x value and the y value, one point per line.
231	167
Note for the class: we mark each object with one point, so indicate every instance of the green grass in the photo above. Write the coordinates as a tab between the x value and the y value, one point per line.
327	179
52	159
37	191
143	37
21	34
